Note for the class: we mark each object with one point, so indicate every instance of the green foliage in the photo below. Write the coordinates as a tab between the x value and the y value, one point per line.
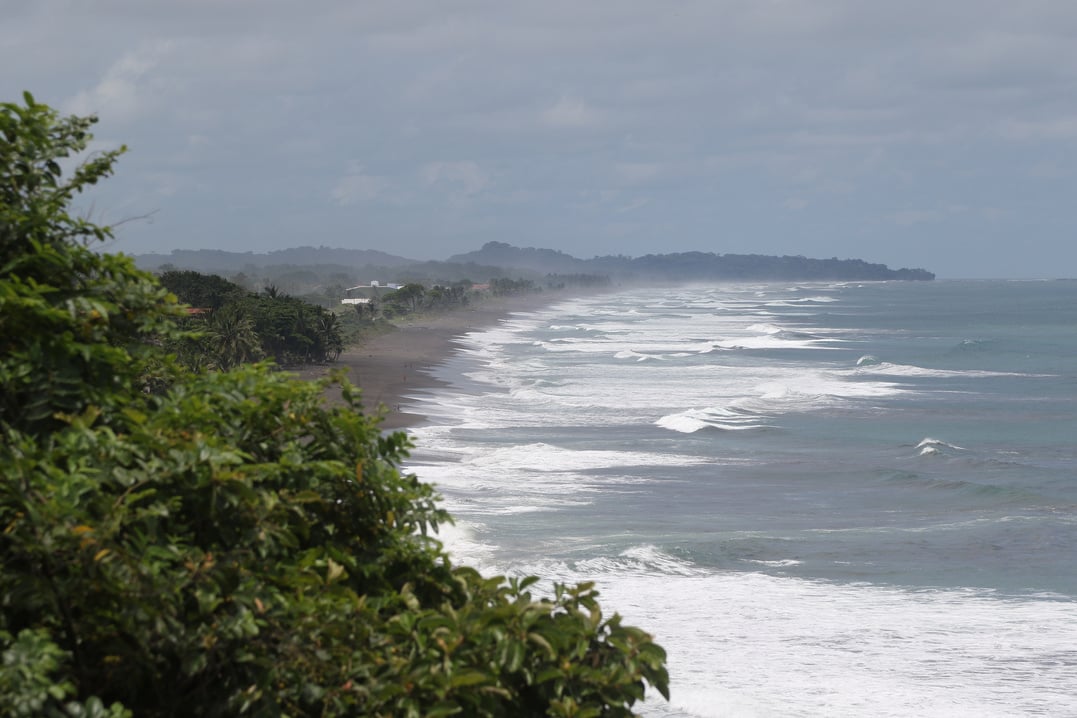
242	327
29	685
442	298
229	544
292	331
26	675
406	299
206	291
415	297
76	327
230	337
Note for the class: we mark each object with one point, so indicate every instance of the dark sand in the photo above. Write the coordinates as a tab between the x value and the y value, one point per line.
398	363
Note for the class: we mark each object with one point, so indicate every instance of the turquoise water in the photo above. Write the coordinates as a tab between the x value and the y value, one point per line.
823	499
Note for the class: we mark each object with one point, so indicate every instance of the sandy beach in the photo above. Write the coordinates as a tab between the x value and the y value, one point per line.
396	364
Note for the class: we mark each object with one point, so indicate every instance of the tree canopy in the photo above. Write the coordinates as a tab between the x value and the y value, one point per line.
233	326
180	543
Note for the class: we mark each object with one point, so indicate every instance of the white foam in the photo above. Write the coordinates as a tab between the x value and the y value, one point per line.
772	341
766	394
889	369
750	644
795	648
800	302
460	539
535	477
683	423
740	644
783	563
746	644
928	442
544	458
697	419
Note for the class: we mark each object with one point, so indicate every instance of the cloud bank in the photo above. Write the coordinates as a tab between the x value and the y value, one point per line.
919	134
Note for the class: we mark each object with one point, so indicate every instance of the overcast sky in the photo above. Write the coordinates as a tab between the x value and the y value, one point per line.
939	134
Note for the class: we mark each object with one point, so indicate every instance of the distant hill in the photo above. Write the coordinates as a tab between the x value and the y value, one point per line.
687	266
498	259
216	260
543	261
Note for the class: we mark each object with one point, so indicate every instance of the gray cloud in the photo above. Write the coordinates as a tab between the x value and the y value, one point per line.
834	128
357	186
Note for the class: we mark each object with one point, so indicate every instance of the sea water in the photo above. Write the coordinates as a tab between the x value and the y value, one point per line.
826	499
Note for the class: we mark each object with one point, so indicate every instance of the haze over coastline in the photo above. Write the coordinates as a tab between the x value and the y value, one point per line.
499	259
925	134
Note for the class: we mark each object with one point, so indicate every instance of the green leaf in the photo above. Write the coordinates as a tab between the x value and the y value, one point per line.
462	679
444	709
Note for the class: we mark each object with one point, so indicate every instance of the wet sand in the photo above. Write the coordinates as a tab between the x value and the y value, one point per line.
393	366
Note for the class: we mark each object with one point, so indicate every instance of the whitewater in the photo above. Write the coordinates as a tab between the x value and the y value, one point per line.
823	499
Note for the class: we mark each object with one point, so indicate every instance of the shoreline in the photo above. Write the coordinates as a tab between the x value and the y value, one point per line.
393	367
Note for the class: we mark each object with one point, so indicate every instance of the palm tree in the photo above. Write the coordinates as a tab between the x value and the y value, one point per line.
231	338
329	332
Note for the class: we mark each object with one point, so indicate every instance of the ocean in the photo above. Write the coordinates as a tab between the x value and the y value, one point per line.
823	499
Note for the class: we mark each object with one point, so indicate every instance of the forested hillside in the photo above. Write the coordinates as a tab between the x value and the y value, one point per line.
325	271
689	266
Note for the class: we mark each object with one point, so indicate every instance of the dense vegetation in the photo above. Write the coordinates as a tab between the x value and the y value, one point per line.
219	543
415	297
228	325
231	326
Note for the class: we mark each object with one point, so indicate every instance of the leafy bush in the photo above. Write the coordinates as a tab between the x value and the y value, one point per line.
223	544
